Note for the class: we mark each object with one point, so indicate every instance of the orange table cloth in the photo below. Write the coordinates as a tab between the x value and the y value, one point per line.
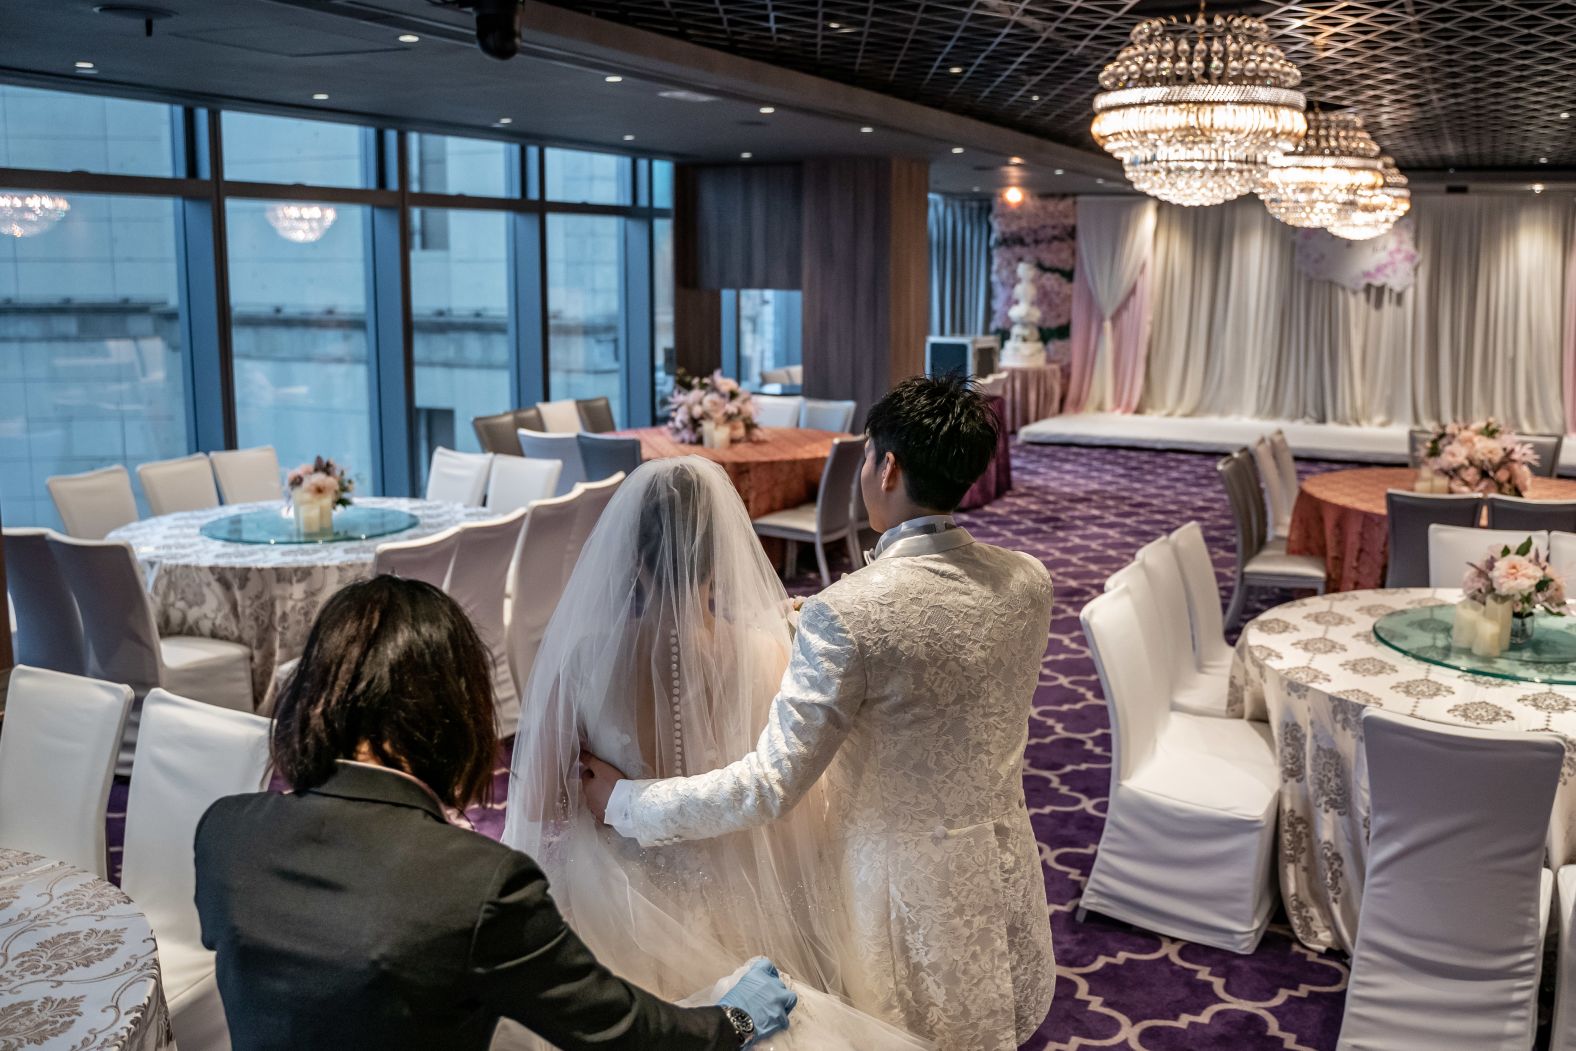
780	468
1340	517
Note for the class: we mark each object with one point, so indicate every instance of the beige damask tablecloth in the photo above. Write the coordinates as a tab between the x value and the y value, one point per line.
78	966
1310	667
264	596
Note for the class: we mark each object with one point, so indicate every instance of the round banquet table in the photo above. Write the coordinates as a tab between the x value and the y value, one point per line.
779	469
1340	517
78	966
1310	667
263	596
1034	392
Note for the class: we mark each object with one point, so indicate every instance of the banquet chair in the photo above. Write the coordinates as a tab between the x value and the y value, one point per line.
1211	651
548	550
994	385
1450	548
458	478
861	537
1547	446
495	433
1455	898
795	374
595	498
560	417
193	755
776	376
478	581
248	476
1190	824
1286	464
777	410
183	484
48	627
1417	440
1512	512
1410	516
1154	578
564	448
596	415
603	457
835	416
1261	562
93	504
1562	553
825	520
57	759
517	481
428	559
1277	509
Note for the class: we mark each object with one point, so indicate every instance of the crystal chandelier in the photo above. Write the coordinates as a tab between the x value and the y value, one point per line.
26	214
1375	211
1322	181
1195	108
301	223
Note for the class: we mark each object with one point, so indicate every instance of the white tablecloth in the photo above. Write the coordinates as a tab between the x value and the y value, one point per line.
78	966
264	596
1310	667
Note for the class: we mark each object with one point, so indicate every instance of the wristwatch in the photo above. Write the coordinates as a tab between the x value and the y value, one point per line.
743	1024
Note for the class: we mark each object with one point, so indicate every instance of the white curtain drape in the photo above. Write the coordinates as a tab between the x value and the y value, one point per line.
1115	239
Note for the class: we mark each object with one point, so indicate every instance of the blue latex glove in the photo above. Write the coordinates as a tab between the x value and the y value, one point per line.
761	994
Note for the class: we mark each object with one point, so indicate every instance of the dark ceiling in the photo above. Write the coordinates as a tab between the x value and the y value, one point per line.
1470	84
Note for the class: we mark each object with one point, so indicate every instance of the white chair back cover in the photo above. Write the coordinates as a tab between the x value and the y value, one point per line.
519	481
548	551
119	628
1275	505
94	503
818	415
561	447
183	484
48	626
777	410
560	417
478	580
458	478
795	373
1450	548
1136	698
776	376
428	559
57	758
1164	577
832	506
248	476
1203	594
1562	554
1449	936
1287	466
595	496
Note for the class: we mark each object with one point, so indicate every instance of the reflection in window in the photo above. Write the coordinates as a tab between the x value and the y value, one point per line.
585	278
446	164
259	148
65	132
769	325
662	313
90	348
578	177
460	310
298	312
662	184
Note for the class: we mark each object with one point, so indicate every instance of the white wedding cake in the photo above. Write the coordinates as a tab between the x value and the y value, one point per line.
1024	349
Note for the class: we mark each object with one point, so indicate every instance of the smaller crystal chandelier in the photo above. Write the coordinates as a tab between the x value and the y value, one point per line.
301	223
1376	211
1322	181
26	214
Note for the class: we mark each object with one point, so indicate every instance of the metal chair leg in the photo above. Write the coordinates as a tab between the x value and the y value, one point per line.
1239	595
790	558
820	558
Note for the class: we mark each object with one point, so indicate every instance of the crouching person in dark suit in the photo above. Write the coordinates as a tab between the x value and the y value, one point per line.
350	913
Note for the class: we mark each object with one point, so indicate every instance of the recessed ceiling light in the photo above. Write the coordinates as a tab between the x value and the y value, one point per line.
1034	98
867	129
957	149
409	38
976	189
321	96
1014	160
1543	160
629	138
768	109
84	65
954	69
686	96
1565	116
614	79
505	120
834	25
746	155
1100	181
1058	171
1537	187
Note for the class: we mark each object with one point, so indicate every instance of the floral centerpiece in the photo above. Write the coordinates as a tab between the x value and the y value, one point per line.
317	488
1481	457
713	411
1502	592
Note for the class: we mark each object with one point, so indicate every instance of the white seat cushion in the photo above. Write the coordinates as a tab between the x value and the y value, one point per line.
1225	765
799	519
1274	561
209	670
182	967
1204	693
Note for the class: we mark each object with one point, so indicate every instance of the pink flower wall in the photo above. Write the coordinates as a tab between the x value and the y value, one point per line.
1040	230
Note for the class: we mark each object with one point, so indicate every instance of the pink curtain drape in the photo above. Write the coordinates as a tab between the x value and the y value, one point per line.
1129	344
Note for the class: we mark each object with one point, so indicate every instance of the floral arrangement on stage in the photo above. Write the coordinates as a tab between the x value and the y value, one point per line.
713	411
1481	457
322	480
1040	231
1501	594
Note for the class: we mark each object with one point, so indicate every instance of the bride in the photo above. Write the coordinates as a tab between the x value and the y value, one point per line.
663	657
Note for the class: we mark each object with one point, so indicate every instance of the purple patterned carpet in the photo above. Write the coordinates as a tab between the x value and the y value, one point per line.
1084	512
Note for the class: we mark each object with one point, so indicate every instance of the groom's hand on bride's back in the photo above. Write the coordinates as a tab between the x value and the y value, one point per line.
597	779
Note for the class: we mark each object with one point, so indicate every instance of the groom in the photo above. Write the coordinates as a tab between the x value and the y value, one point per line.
909	690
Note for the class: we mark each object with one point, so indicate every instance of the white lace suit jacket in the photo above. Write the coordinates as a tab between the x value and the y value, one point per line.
909	689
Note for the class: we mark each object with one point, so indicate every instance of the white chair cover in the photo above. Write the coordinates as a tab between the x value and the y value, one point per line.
1562	553
1210	649
1192	690
1190	826
57	758
560	417
829	517
776	376
777	410
595	498
548	551
480	576
1455	897
1450	548
561	447
183	484
818	415
428	559
1161	631
48	628
94	503
1562	1033
458	478
1275	503
519	481
1286	464
190	755
248	475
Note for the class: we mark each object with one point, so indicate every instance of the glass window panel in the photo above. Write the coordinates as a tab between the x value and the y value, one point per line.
585	283
298	315
769	324
662	184
578	177
446	164
460	309
62	131
91	370
259	148
662	312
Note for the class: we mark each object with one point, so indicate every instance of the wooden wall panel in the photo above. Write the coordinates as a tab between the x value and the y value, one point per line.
743	225
697	330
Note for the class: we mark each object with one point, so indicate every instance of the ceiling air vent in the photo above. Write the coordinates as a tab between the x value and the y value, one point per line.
687	96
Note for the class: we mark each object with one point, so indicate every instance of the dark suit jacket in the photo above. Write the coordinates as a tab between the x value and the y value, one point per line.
354	916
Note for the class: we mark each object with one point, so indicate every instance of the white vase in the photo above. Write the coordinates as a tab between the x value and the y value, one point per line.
314	515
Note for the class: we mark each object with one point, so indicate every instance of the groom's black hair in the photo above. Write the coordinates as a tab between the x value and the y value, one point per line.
941	431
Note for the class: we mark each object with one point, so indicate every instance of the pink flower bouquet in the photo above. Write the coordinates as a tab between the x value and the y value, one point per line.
322	479
1481	457
715	399
1523	577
